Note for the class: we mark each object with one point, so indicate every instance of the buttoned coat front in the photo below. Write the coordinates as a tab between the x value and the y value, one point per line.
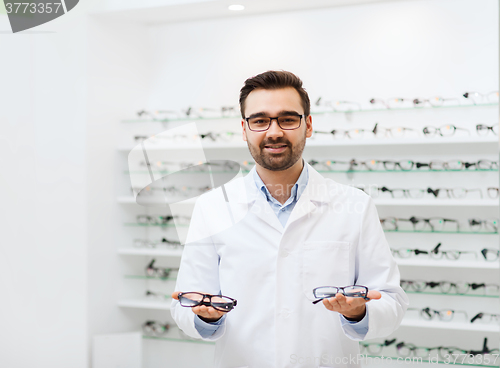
236	246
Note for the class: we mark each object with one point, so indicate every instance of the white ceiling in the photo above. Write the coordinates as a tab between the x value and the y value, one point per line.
168	11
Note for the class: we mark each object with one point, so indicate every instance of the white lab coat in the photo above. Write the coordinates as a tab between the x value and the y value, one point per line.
332	238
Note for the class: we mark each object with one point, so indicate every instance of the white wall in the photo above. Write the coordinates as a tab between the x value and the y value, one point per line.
43	237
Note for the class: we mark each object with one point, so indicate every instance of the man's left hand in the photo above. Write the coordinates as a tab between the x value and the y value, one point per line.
353	309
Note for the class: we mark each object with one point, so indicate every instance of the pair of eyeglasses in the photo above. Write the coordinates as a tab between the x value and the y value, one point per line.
443	131
453	192
492	192
445	315
477	225
455	165
219	302
483	129
490	255
476	97
394	132
220	137
161	220
486	318
401	103
342	133
157	272
435	253
448	287
352	291
340	105
146	243
263	123
375	347
155	328
420	223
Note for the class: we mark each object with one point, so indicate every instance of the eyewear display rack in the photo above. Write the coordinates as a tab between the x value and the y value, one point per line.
464	240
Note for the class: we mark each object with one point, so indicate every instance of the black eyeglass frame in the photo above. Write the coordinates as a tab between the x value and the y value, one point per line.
207	303
341	291
303	116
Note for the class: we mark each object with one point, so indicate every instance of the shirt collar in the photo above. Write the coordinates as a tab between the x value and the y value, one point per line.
297	189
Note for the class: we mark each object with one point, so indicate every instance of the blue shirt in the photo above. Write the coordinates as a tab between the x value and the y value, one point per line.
283	212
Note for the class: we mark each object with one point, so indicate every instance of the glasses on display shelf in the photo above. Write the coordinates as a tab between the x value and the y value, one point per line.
223	136
155	328
394	132
375	347
403	193
340	133
341	106
446	287
436	101
219	302
492	192
156	295
444	315
168	138
145	243
229	111
479	98
420	224
352	291
490	254
247	165
453	165
405	350
262	123
158	115
452	192
443	131
159	272
486	318
476	225
162	220
482	129
434	253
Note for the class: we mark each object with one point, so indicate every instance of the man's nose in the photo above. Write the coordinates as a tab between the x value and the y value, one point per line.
274	130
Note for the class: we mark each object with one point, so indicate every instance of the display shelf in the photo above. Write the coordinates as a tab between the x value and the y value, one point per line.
150	252
322	171
443	232
452	294
484	143
313	113
415	360
177	339
144	303
131	200
462	326
140	277
437	202
448	263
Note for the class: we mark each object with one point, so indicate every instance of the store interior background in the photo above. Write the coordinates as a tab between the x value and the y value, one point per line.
67	85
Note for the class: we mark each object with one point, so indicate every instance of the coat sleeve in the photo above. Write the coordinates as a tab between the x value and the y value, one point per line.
199	271
376	268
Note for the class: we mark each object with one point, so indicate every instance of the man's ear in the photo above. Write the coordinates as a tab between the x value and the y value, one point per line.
309	127
244	130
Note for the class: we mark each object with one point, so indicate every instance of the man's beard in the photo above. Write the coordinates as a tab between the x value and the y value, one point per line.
280	161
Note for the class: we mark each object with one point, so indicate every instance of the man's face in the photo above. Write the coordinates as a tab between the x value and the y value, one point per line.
276	149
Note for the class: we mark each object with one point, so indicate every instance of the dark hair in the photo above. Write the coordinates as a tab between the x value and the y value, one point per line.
274	79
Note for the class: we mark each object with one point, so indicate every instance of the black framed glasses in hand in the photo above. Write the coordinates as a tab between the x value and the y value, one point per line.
352	291
219	302
262	123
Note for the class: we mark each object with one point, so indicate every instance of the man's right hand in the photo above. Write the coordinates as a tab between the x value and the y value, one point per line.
206	314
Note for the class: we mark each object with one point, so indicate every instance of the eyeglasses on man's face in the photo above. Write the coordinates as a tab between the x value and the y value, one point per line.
219	302
263	123
352	291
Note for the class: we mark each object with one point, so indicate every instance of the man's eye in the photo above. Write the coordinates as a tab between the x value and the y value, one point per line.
260	122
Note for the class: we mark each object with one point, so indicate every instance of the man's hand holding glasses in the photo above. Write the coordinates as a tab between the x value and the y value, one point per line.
210	308
348	300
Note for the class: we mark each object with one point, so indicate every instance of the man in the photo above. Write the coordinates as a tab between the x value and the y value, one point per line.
294	231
